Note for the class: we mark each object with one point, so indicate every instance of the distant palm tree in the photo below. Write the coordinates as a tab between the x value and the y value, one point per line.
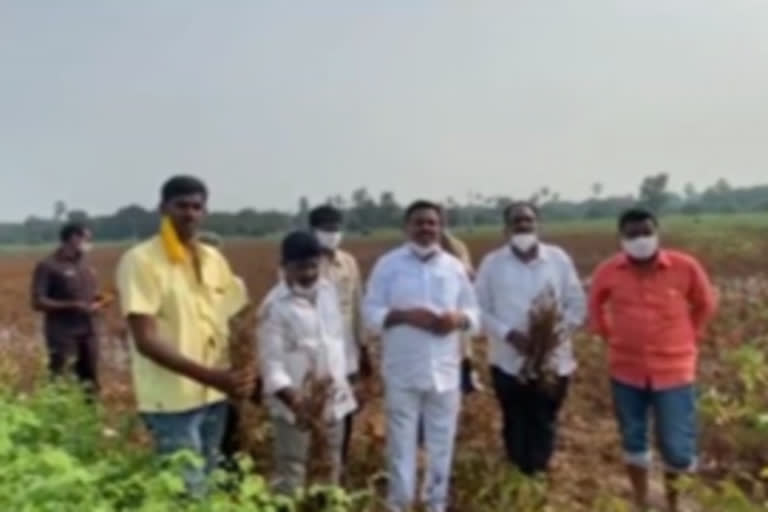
59	211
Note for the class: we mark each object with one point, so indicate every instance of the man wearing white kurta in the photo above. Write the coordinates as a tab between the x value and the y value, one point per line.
508	281
420	300
301	329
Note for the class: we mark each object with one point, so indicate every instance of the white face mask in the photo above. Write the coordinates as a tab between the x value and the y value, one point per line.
329	239
423	251
641	248
86	247
524	242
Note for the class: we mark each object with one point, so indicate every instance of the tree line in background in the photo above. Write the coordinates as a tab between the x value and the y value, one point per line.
366	213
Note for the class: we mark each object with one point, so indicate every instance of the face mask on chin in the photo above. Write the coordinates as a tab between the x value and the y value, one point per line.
642	247
307	292
423	251
524	242
330	240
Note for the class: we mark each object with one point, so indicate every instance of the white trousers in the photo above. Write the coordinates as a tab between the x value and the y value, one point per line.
440	413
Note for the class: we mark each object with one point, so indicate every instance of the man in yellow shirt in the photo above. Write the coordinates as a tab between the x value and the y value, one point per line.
341	268
173	290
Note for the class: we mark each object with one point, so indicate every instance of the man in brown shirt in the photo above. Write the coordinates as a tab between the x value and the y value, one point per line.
64	289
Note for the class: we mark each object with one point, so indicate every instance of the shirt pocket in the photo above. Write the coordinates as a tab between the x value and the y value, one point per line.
445	289
344	291
672	303
407	290
69	283
303	330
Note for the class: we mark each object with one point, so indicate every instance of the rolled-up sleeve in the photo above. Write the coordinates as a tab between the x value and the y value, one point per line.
375	303
492	324
138	286
574	298
272	355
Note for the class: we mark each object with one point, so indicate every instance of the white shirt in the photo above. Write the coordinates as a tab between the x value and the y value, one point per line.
296	334
342	270
411	357
506	287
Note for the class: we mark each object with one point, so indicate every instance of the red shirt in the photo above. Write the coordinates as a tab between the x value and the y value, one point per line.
651	317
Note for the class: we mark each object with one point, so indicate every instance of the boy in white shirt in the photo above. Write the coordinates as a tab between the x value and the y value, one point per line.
301	329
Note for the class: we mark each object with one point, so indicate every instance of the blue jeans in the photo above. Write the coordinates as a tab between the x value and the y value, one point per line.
199	431
674	413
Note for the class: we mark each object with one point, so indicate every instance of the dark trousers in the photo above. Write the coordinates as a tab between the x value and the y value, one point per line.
229	443
529	417
76	354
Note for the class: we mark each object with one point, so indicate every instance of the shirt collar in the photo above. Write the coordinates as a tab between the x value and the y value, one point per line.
412	255
543	255
284	291
60	254
174	249
662	260
332	257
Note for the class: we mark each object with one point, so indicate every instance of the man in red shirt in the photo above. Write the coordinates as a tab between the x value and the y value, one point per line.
651	305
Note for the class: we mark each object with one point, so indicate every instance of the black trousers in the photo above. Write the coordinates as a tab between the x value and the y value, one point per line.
529	417
229	443
78	354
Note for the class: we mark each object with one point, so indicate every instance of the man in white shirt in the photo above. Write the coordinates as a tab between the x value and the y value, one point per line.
508	281
341	269
420	300
301	330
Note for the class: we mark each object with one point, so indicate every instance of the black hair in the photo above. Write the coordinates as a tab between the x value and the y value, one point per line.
182	185
516	205
422	204
299	246
71	229
325	214
636	215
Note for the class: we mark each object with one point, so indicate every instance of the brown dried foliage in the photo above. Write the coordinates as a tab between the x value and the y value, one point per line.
545	336
242	353
316	393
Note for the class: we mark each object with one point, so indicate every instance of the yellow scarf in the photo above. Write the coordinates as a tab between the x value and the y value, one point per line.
175	250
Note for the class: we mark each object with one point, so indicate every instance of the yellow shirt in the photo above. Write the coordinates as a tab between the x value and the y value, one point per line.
192	317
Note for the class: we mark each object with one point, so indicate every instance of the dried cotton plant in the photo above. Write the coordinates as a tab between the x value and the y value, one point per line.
316	394
242	352
545	335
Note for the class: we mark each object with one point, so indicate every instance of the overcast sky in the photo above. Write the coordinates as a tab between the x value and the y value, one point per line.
269	100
